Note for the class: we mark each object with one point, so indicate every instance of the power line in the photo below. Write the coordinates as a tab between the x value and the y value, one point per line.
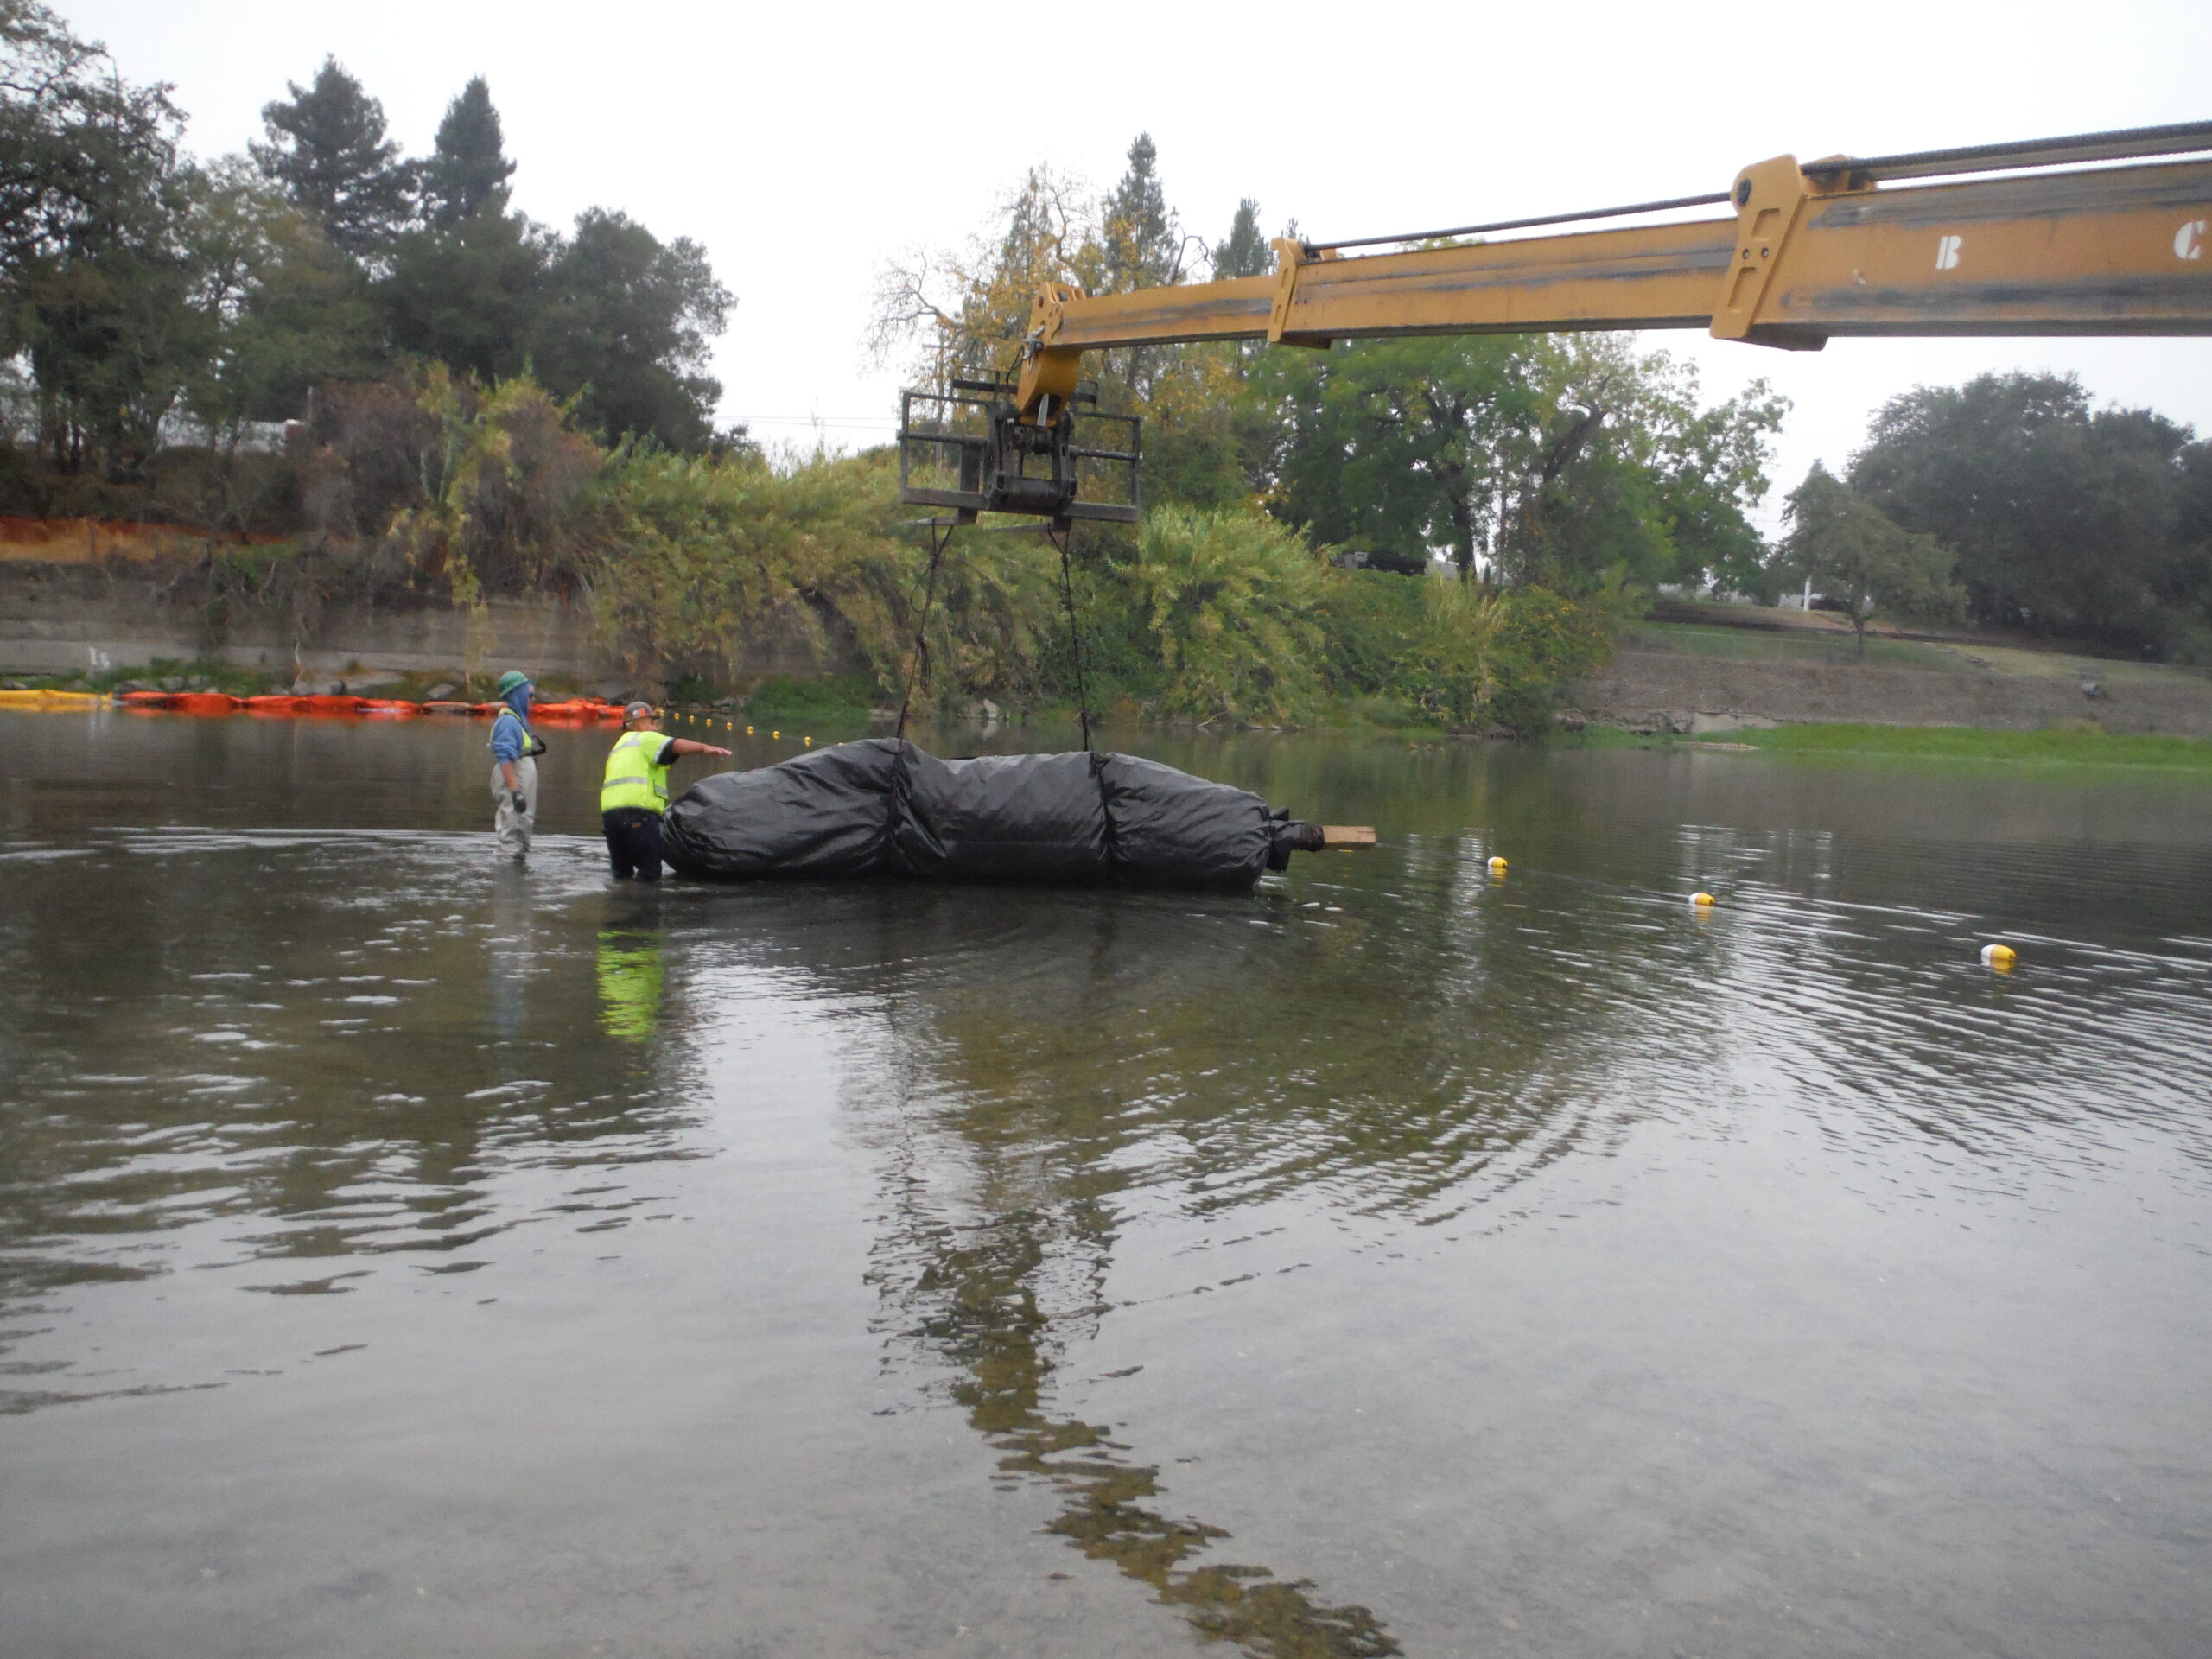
817	420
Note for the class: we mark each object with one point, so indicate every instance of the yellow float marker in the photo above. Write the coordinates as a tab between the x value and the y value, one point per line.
1999	956
748	731
1498	866
775	733
1701	900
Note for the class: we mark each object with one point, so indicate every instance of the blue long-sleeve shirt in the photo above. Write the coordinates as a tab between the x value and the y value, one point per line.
510	731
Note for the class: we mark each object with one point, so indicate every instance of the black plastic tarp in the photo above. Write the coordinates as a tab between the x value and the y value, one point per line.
882	807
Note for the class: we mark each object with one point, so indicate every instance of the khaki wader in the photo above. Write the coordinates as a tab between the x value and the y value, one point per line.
514	827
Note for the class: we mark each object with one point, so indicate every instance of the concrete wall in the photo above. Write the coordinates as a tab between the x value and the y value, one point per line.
61	618
1640	683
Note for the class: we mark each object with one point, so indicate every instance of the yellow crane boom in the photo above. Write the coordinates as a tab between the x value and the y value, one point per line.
2066	236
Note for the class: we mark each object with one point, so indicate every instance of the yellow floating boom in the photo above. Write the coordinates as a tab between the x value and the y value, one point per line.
52	699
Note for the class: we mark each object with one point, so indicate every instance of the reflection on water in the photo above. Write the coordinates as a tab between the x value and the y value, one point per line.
328	1041
629	982
998	1274
976	1305
1197	1211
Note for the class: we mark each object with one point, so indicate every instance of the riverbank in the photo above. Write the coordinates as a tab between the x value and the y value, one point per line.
1698	678
108	623
91	622
2081	745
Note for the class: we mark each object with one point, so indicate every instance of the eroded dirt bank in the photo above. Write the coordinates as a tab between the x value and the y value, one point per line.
1676	686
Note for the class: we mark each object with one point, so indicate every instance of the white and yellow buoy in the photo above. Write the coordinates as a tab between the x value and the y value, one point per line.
1496	866
1702	899
1999	956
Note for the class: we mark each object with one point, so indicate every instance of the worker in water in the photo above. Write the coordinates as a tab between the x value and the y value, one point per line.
515	749
635	793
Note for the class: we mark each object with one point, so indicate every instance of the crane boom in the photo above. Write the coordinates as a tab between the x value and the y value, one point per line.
1814	250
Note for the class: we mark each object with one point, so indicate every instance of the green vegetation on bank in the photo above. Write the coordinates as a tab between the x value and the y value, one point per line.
157	301
834	699
2013	502
405	390
2067	746
212	673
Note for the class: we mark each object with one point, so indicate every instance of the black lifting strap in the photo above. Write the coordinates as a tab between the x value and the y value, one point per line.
918	665
1075	633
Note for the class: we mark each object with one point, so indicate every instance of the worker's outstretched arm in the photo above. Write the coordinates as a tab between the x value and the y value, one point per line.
686	746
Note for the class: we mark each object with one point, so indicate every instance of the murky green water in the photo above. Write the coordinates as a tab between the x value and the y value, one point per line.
406	1255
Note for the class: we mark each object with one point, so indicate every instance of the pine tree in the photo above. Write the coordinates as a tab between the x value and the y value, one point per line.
1246	252
326	148
467	172
1144	243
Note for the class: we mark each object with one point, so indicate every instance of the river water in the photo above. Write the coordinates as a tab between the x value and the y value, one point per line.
405	1255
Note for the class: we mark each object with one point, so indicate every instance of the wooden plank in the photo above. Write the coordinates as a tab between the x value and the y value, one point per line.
1347	834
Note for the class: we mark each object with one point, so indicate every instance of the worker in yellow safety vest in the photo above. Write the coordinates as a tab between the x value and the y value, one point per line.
635	792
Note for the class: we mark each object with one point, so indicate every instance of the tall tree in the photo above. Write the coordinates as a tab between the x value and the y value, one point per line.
470	297
628	329
466	286
962	312
93	271
1391	448
1245	251
1847	547
1143	241
468	170
1549	461
284	309
1625	471
327	149
2065	518
1142	246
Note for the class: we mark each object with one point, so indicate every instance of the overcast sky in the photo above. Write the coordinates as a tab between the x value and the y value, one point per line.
802	144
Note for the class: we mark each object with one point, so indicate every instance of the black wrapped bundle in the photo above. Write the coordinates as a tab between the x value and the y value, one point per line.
883	807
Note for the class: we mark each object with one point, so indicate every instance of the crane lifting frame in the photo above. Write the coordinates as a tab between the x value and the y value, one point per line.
966	449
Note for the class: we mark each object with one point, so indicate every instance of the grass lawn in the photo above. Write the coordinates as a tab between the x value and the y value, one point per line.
1732	634
2054	747
1793	645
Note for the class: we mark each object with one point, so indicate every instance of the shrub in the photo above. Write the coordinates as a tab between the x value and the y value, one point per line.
1477	656
1542	644
1233	601
1367	620
843	698
697	557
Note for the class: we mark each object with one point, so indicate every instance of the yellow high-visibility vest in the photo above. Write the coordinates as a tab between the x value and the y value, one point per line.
634	776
